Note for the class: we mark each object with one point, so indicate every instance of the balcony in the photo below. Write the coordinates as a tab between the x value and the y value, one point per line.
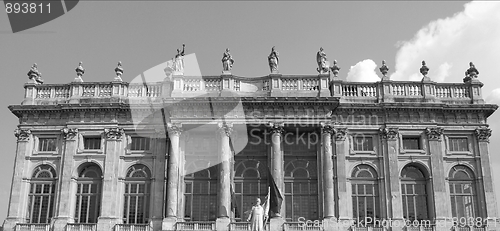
368	228
32	227
81	227
266	86
420	228
195	225
244	226
468	228
132	227
296	226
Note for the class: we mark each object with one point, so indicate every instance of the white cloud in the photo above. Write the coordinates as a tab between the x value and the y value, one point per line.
448	45
363	71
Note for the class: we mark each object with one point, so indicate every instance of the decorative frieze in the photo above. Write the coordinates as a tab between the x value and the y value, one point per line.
225	128
174	129
69	133
434	134
389	133
340	134
113	133
276	127
22	134
483	134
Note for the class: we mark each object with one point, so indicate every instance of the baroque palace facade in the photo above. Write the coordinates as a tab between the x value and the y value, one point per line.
192	153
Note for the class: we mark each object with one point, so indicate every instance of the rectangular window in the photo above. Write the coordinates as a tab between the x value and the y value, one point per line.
411	143
92	143
363	144
47	144
458	144
139	144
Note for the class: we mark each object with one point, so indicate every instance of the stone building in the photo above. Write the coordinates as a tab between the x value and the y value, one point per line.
192	153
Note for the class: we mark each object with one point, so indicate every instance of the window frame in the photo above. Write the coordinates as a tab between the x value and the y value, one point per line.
36	144
376	194
352	139
134	182
129	151
412	134
50	182
80	182
448	145
90	134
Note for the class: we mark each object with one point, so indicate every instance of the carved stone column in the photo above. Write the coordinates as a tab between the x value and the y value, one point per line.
489	206
344	200
110	215
391	175
441	198
224	194
174	132
277	161
65	206
328	187
19	191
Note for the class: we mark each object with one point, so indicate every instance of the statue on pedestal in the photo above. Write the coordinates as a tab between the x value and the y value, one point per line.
323	65
273	60
256	217
34	75
472	71
227	61
179	60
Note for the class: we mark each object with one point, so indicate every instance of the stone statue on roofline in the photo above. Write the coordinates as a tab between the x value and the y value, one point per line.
323	64
34	75
227	61
179	61
273	59
471	73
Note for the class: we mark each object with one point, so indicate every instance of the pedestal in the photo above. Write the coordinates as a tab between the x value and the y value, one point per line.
222	223
276	223
168	223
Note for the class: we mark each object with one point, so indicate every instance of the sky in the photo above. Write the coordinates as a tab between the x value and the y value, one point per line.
358	34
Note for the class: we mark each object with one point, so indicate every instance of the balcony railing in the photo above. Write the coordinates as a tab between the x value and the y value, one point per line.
244	226
296	226
420	228
273	86
32	227
368	228
468	228
132	227
195	225
81	227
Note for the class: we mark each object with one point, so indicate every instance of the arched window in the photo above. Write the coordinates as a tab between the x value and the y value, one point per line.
463	192
365	193
200	194
250	182
137	191
301	175
301	189
414	194
88	194
41	196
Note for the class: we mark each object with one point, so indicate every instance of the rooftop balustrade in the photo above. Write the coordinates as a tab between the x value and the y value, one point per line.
274	85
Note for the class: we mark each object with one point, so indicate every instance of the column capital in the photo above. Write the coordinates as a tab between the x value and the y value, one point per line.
174	129
483	134
276	127
225	128
389	133
434	134
327	127
340	133
69	133
115	133
22	134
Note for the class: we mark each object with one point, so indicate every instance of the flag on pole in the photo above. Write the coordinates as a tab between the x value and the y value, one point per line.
265	205
275	197
234	203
